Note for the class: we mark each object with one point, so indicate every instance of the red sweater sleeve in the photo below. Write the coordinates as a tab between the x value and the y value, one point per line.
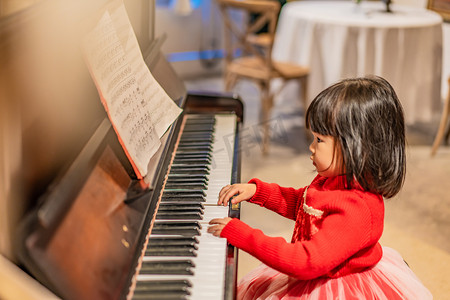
346	241
282	200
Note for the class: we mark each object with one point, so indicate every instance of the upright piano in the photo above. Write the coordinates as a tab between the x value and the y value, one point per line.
89	228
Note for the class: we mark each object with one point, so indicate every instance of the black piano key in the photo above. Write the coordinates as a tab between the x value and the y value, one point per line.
162	289
161	285
166	267
183	153
159	296
179	215
192	161
190	171
177	227
179	209
182	199
181	202
157	287
183	192
191	134
188	180
180	206
169	242
198	122
197	133
185	186
183	177
201	116
194	186
199	158
192	151
202	126
207	148
185	165
195	120
198	128
191	179
199	144
193	169
172	240
171	251
197	140
194	140
203	138
169	224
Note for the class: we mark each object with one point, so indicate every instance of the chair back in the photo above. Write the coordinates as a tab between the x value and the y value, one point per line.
245	39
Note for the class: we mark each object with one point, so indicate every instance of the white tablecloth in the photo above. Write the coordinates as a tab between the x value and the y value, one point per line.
339	39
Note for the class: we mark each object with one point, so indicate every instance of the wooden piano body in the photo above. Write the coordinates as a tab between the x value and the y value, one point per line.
73	214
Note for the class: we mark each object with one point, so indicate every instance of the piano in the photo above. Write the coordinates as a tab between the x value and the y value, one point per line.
88	228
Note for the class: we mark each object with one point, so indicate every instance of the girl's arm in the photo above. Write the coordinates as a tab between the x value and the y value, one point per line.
349	228
282	200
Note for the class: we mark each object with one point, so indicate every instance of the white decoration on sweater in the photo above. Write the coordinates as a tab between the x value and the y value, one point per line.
308	209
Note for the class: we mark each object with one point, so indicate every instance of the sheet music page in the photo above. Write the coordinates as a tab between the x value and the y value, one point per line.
137	106
164	110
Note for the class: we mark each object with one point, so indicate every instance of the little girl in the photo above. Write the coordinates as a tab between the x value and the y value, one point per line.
358	151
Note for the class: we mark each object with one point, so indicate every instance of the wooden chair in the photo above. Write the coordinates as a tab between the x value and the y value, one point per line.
248	55
443	124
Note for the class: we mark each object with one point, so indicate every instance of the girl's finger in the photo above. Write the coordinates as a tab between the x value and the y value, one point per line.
216	221
226	195
222	193
220	221
215	230
234	192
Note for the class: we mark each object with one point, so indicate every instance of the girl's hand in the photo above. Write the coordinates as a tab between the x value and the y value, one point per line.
241	191
217	225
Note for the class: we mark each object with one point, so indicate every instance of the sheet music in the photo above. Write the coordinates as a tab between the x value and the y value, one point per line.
139	109
164	112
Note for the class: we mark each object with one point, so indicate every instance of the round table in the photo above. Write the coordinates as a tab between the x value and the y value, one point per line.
339	39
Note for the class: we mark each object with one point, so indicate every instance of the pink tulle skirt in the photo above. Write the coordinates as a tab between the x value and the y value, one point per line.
390	279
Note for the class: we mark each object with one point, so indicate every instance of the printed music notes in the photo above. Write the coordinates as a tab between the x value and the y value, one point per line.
138	107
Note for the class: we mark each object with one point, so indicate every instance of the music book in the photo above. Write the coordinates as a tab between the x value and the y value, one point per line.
138	107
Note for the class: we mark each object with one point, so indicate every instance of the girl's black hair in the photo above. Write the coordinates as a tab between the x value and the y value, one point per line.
366	118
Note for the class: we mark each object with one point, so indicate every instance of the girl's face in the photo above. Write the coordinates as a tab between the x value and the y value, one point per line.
325	156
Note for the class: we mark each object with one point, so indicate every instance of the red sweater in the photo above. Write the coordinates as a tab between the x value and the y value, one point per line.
336	230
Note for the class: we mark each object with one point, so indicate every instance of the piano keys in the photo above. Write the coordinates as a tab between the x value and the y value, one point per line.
182	260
